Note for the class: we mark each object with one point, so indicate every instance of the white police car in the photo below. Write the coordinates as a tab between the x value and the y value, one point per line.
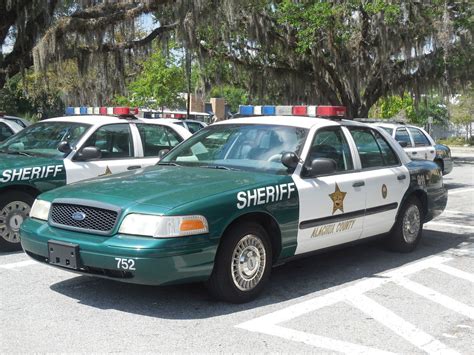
419	144
64	150
8	128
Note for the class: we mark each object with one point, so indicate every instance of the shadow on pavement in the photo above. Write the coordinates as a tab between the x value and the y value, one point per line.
289	281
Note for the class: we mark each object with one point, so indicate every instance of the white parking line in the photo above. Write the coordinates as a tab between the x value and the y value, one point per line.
449	225
18	264
455	272
354	295
457	212
437	297
399	326
322	342
460	191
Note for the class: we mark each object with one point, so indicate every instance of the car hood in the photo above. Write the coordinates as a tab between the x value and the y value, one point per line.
163	187
14	161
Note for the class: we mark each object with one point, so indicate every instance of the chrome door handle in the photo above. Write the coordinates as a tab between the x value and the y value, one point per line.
358	184
414	153
133	167
401	177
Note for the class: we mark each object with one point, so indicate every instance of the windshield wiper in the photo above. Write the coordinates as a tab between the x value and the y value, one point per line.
168	163
16	153
222	167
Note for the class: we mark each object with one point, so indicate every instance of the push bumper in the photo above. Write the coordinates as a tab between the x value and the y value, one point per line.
155	261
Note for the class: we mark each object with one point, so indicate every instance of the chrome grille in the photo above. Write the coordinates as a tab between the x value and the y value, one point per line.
96	219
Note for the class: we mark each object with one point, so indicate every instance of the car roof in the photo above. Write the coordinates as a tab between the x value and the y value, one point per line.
12	124
292	121
98	120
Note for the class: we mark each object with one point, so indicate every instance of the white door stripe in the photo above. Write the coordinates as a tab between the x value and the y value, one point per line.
18	264
399	326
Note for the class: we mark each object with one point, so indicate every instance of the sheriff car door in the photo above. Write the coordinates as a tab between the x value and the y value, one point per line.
386	179
153	139
331	206
423	147
116	145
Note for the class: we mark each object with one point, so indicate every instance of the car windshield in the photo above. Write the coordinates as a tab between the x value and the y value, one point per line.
43	138
387	129
240	147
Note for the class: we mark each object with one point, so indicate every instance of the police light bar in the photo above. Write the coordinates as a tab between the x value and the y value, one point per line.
300	110
115	111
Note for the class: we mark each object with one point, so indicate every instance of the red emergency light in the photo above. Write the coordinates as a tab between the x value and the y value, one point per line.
300	110
331	111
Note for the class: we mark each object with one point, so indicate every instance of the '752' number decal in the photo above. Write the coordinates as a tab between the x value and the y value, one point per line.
125	264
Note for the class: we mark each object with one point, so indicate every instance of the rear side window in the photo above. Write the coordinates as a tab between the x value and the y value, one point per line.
114	141
193	127
5	131
156	137
374	151
419	138
402	136
331	144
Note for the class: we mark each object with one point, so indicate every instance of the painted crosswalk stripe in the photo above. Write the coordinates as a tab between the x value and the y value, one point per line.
18	264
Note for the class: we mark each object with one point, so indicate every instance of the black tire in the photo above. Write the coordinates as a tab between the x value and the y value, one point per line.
404	239
14	208
224	281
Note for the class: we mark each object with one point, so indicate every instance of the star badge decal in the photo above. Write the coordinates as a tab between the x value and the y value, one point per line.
107	172
337	198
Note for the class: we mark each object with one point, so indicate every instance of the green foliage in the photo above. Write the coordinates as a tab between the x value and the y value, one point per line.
233	96
158	84
462	112
456	141
405	106
16	99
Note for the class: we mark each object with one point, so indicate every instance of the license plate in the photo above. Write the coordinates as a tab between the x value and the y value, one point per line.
63	254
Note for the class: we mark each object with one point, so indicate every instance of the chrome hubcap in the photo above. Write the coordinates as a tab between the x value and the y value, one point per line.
411	224
248	262
11	218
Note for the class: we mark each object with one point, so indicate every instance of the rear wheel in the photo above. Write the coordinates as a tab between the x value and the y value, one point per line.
243	264
15	207
406	232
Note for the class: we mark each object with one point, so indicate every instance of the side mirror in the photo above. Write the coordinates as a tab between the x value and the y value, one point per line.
290	160
321	166
162	153
403	144
88	153
64	147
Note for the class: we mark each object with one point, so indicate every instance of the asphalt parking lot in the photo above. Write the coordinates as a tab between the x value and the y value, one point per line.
360	299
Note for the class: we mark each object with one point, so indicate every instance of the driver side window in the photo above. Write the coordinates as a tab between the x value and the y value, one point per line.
331	144
113	141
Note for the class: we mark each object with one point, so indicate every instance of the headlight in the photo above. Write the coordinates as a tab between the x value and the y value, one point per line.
163	226
40	210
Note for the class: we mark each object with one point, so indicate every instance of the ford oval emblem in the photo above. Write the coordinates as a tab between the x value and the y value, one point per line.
78	216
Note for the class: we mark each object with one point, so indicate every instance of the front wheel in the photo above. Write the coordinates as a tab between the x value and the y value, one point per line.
406	232
243	264
15	207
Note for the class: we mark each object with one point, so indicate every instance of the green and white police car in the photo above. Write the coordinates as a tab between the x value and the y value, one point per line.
236	198
60	151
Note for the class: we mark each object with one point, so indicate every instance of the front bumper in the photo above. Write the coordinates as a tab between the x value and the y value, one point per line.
156	261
